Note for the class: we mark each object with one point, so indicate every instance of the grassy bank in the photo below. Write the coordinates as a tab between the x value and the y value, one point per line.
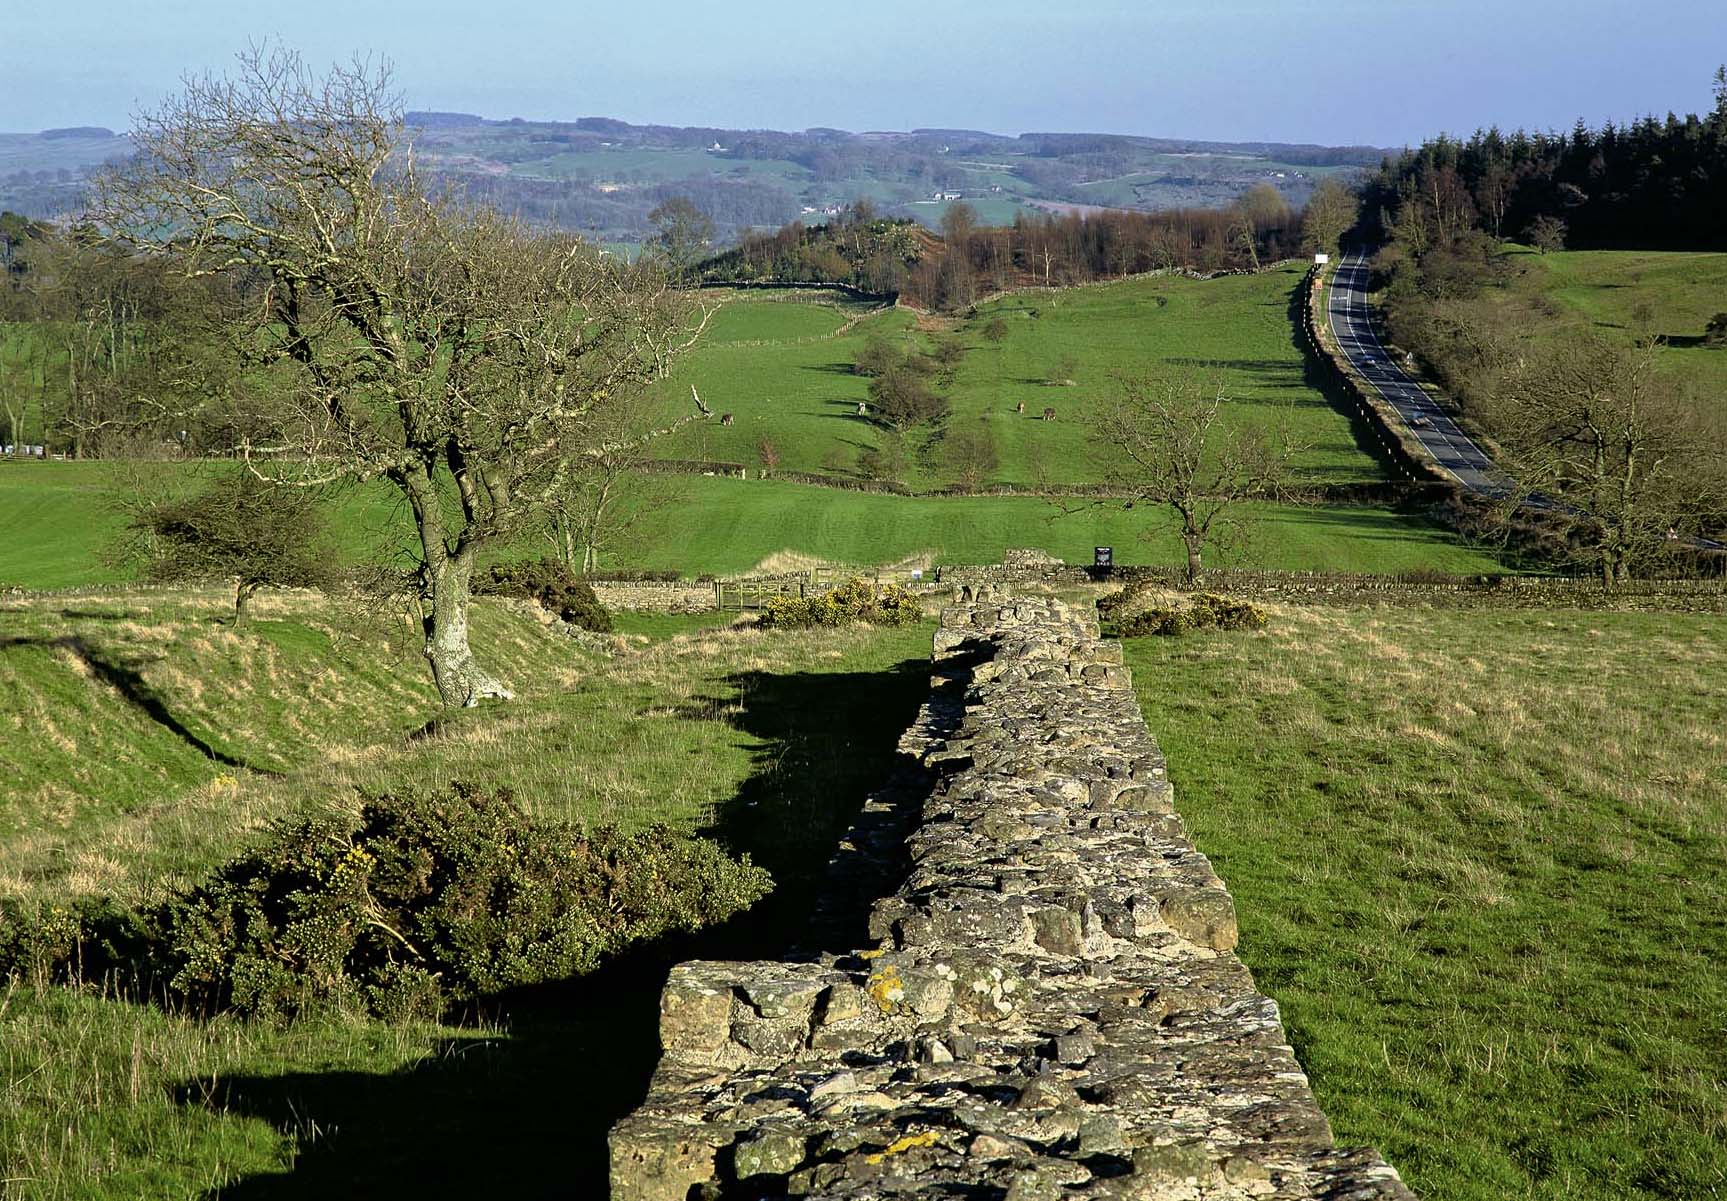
1481	862
766	743
1627	293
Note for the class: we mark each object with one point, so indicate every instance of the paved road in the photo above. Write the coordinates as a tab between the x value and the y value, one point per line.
1352	326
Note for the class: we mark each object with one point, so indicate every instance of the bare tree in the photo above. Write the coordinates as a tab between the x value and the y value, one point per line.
602	493
684	233
407	337
1628	464
1547	233
970	453
1329	214
1171	443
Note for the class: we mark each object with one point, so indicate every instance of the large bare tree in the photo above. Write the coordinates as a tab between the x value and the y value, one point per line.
399	334
1172	443
1625	460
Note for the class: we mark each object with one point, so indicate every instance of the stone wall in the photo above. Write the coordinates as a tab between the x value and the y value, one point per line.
656	596
1340	588
1048	1005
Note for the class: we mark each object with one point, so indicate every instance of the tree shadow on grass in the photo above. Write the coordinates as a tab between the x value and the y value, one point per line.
1321	378
526	1115
125	676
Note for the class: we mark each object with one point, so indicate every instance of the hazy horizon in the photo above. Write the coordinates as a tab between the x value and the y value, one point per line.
1228	70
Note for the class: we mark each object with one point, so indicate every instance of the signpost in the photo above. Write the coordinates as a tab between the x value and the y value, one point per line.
1103	556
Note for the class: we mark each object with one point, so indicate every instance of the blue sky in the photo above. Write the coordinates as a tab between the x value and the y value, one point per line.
1346	71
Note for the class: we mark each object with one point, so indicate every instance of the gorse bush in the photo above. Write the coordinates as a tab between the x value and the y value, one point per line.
553	585
1210	611
1207	611
432	899
856	600
418	903
1715	333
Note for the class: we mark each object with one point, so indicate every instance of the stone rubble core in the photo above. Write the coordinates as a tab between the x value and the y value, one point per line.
1052	1007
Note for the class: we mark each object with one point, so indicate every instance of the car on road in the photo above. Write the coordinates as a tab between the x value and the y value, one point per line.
1421	422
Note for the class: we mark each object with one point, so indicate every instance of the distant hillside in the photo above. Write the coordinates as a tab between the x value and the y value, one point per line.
603	176
42	175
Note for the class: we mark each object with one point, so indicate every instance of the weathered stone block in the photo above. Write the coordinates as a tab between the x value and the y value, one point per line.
662	1161
695	1012
1205	916
773	1152
1059	930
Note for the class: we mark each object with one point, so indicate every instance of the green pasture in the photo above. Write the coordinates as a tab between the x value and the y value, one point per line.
650	165
1480	859
1627	293
61	519
726	525
802	396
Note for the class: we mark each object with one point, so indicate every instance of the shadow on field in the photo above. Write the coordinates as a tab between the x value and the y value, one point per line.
526	1115
125	679
1320	377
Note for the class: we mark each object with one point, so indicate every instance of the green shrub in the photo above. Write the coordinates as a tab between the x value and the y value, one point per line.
1166	622
418	903
1207	611
1112	603
854	601
428	900
553	585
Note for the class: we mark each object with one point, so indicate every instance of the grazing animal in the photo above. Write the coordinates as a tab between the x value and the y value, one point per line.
863	409
1049	414
725	418
1021	407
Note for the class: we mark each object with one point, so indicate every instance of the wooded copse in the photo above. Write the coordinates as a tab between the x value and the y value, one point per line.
887	256
1657	182
389	332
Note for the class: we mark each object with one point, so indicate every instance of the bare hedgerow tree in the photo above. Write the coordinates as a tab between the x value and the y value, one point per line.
1625	462
1170	443
404	336
604	493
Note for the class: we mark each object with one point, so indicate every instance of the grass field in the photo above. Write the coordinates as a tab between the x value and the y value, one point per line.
61	519
727	526
802	395
1682	290
1481	862
1480	858
781	366
1623	295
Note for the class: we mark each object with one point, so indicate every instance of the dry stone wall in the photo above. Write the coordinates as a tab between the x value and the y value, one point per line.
1048	1006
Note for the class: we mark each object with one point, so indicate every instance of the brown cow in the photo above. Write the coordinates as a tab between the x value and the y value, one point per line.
1049	414
725	418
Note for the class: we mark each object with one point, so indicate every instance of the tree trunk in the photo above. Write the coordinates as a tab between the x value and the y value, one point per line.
1195	547
448	577
243	602
462	682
